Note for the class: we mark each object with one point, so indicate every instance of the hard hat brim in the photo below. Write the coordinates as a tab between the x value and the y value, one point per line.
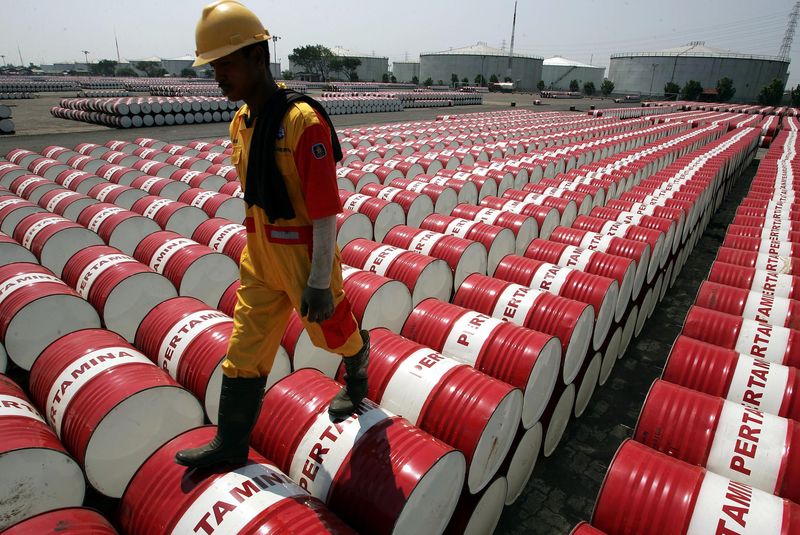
213	55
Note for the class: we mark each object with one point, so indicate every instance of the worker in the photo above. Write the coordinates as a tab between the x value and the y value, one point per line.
285	150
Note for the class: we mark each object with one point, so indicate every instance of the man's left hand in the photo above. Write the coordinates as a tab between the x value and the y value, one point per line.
316	304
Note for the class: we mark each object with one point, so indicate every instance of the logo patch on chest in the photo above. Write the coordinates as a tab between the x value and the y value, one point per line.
319	151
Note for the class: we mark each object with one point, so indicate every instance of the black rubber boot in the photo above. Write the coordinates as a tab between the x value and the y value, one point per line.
239	405
355	380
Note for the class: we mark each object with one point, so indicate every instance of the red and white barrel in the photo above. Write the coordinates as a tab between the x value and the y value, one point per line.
9	172
376	471
749	337
53	239
487	186
571	321
163	187
464	257
424	386
546	217
780	264
200	179
623	270
586	381
12	252
37	308
525	228
567	209
480	513
122	196
376	301
497	240
119	228
222	236
32	187
194	269
73	520
758	306
658	246
14	209
695	501
754	382
121	289
79	181
65	203
417	206
170	215
383	214
351	225
526	359
215	204
100	414
444	198
556	417
727	438
774	247
677	215
760	281
584	528
408	168
467	191
521	460
260	497
668	227
354	179
423	275
38	473
301	351
600	292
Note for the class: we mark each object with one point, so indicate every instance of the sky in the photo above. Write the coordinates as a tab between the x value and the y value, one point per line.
48	31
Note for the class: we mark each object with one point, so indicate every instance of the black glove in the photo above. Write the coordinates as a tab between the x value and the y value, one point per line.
316	304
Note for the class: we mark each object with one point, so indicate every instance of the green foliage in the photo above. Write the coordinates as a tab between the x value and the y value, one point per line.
188	72
725	89
318	59
508	79
104	67
454	79
465	80
429	81
691	90
393	79
573	85
795	95
480	80
150	68
126	71
385	78
772	94
439	82
671	90
589	88
607	87
493	79
541	85
415	79
287	75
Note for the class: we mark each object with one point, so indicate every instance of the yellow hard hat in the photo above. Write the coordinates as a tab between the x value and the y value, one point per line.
225	27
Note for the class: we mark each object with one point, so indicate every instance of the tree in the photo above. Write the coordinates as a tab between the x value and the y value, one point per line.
691	90
725	89
480	80
440	82
104	67
393	78
415	80
672	90
150	68
287	75
188	72
318	59
454	79
607	87
772	94
126	71
589	88
493	79
508	79
385	78
573	86
429	81
540	86
465	80
795	95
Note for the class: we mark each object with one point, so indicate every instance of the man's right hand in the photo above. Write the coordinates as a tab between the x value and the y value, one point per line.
316	305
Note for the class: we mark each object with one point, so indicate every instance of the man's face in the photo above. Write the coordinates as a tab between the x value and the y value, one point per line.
237	74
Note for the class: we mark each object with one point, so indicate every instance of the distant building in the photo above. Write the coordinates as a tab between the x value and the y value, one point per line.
405	71
558	72
372	67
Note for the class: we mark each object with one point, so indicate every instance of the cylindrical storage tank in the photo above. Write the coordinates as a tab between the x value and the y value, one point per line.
376	301
215	204
423	275
754	382
265	499
600	292
38	473
351	225
101	415
417	206
546	217
195	270
498	241
526	359
170	215
12	252
571	321
464	257
521	460
121	289
727	438
69	521
525	228
786	286
426	387
222	236
53	239
381	474
119	228
690	499
623	270
37	308
383	214
761	307
761	340
480	513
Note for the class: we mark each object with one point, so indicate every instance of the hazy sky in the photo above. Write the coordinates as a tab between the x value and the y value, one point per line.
584	30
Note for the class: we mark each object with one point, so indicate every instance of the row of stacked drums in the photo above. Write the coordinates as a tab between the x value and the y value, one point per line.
717	445
6	123
536	378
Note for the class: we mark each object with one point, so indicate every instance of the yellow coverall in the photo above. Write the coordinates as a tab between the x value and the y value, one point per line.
276	262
